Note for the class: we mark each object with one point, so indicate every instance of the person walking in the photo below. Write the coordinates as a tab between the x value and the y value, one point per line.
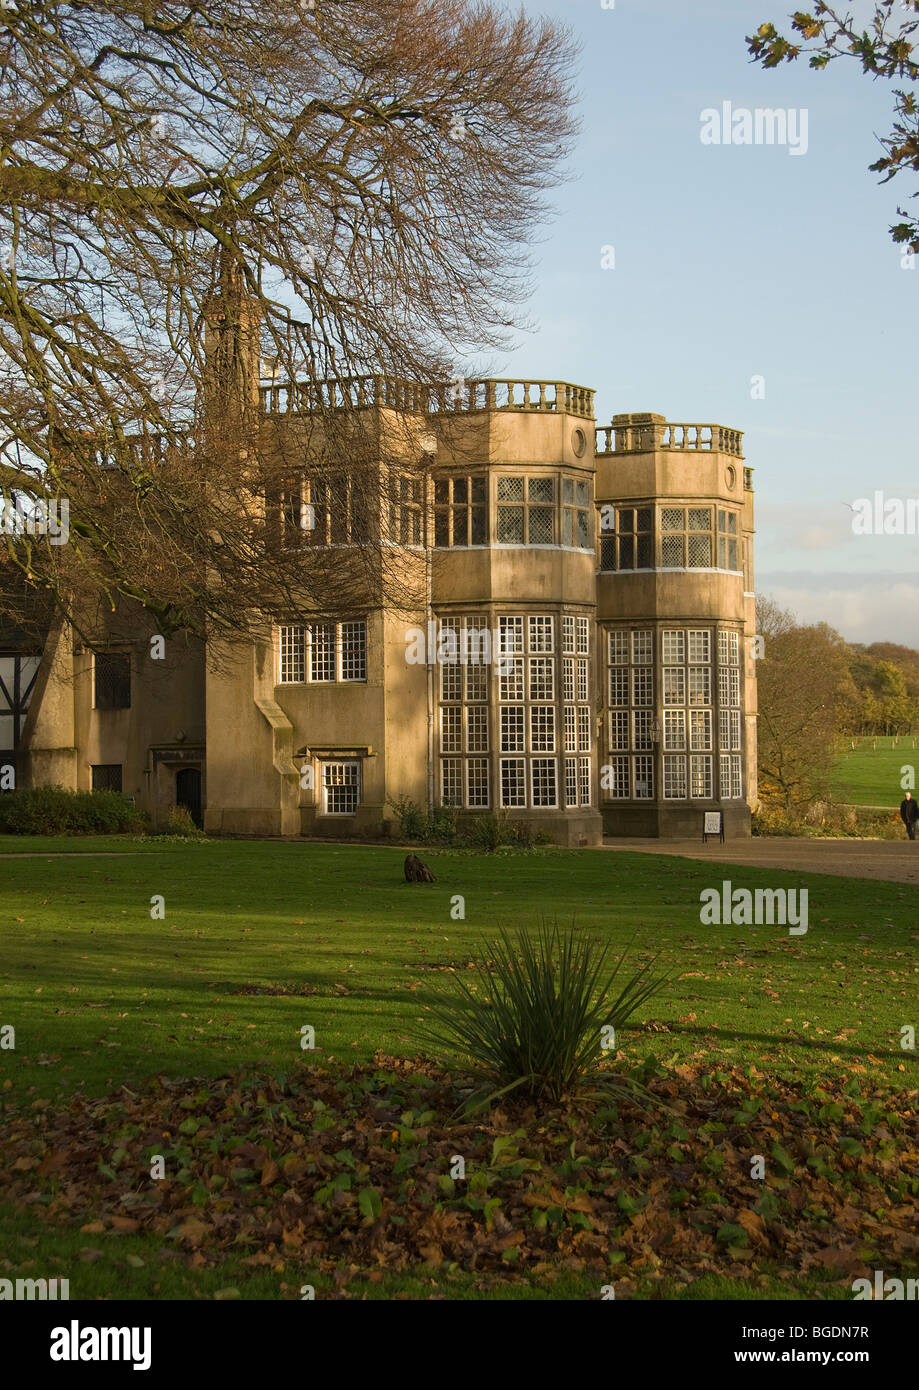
909	814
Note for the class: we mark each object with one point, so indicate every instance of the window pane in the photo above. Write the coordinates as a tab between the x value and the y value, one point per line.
674	776
510	525
540	526
341	788
293	666
354	651
513	782
477	729
322	652
542	678
542	490
112	680
107	777
644	777
512	729
700	552
541	634
642	653
510	489
543	778
673	647
571	781
542	729
451	793
477	782
451	729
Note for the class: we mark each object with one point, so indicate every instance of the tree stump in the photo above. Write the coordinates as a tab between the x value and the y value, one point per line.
416	871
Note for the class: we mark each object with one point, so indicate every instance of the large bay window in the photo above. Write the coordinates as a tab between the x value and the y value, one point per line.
539	701
674	670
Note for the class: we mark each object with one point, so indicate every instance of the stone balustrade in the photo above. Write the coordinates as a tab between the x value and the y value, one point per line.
461	396
639	434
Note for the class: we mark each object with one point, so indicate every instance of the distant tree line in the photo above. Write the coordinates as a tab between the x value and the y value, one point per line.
814	688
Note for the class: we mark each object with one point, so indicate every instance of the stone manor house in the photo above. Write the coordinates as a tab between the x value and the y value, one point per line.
598	583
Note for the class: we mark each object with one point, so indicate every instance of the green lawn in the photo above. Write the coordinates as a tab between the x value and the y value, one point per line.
865	776
260	939
100	993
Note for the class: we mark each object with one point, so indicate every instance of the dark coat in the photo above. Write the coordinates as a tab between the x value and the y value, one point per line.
909	811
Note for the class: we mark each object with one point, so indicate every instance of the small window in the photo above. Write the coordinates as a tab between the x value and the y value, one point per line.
341	788
526	511
686	538
727	541
323	653
461	511
406	511
112	680
575	514
107	777
626	538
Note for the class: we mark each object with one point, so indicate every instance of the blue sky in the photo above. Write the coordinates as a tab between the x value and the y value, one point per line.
734	261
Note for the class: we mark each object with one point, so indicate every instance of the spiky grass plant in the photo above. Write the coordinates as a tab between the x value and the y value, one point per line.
533	1020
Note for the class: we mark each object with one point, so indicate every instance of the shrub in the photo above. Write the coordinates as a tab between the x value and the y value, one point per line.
437	827
533	1020
179	822
823	819
56	811
411	817
486	833
489	833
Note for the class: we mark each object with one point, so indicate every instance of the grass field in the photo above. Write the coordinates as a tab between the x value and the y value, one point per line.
865	776
260	939
100	993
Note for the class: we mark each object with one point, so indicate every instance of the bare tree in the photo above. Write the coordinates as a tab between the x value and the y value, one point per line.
188	189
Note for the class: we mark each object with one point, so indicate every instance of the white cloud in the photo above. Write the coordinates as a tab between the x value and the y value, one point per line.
869	608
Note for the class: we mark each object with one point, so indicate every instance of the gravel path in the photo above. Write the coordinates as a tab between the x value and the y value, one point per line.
894	860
